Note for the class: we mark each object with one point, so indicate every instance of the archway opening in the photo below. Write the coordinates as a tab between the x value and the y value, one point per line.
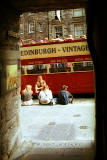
59	126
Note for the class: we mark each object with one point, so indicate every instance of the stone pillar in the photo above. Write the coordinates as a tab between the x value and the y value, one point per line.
10	135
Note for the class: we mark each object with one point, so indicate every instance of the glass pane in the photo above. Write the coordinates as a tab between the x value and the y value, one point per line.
58	31
60	67
82	66
77	12
30	69
40	68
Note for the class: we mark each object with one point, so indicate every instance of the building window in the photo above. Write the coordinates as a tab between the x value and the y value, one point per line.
41	27
31	26
79	30
58	31
22	28
78	13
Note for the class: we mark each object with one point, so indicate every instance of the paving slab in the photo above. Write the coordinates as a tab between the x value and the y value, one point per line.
59	129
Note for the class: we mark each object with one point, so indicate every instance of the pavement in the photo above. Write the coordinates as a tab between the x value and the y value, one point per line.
59	130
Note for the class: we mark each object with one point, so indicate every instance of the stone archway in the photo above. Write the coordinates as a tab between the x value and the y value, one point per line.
9	55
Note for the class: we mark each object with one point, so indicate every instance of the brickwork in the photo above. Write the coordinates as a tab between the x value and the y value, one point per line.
10	123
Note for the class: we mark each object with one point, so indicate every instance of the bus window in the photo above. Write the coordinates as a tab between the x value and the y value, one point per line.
40	68
90	65
82	66
30	69
34	69
59	67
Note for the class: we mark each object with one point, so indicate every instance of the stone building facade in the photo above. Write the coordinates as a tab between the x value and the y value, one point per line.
50	24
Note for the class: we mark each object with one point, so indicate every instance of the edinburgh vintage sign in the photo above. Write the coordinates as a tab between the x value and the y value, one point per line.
55	50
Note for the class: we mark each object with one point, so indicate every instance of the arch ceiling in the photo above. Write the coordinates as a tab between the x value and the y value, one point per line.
39	5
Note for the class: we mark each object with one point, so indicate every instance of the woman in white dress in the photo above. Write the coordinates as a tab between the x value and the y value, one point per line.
45	95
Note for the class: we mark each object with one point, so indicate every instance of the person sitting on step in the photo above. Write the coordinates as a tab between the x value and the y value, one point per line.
27	95
64	96
45	95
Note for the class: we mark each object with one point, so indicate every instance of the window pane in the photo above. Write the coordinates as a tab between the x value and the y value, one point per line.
31	26
58	31
40	68
77	12
30	69
41	27
79	30
34	69
83	66
59	67
21	28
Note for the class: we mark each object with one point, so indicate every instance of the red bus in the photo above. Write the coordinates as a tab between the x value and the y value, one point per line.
60	63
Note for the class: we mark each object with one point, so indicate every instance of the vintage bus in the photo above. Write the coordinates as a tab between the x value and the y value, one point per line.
60	62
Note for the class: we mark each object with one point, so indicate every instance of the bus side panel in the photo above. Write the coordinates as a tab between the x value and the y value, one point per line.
78	83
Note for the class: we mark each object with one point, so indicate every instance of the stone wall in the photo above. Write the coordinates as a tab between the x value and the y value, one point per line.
10	123
39	19
10	134
47	21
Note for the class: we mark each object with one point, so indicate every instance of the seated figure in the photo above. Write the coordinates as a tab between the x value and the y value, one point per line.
70	37
27	95
45	95
64	96
39	83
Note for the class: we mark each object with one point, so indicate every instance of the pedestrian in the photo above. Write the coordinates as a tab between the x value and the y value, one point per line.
45	95
27	95
64	96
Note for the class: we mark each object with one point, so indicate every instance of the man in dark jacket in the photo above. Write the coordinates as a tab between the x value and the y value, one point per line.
65	97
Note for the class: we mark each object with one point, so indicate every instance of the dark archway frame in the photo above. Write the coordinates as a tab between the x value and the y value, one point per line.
96	31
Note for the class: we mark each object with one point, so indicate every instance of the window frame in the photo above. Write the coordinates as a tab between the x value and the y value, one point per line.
77	10
58	33
83	65
22	28
41	26
31	26
78	28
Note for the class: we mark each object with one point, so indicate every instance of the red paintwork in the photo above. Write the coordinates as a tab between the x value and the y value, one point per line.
80	82
56	60
77	82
